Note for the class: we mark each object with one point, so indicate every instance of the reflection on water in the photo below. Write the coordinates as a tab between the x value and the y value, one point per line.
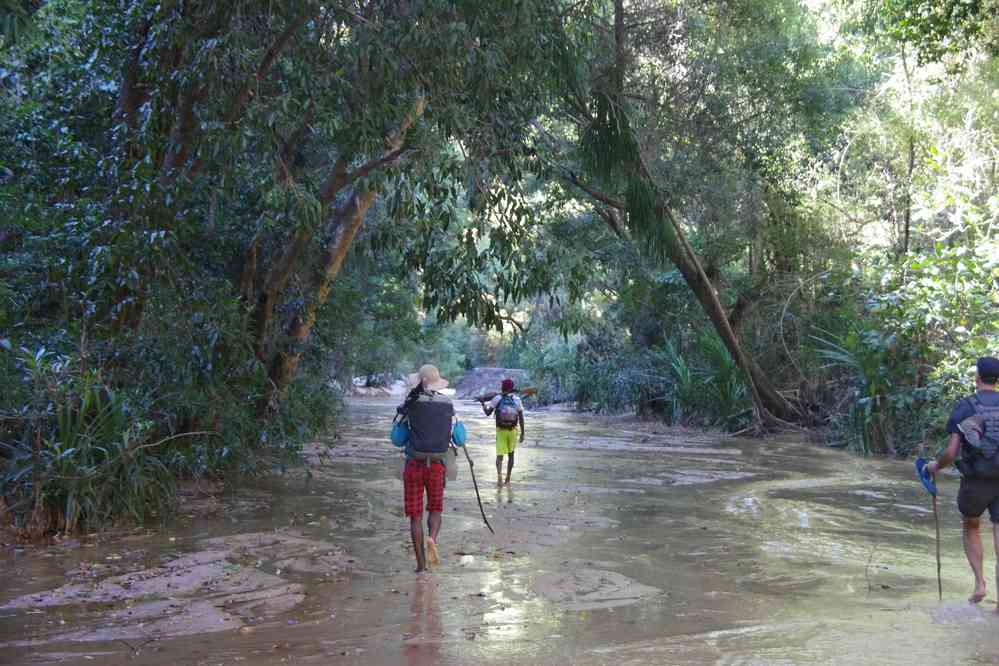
506	495
613	545
422	641
505	620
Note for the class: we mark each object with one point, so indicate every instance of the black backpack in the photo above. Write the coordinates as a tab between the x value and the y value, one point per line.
980	452
428	416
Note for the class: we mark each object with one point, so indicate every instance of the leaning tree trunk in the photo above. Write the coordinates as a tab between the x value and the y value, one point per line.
767	401
769	405
347	222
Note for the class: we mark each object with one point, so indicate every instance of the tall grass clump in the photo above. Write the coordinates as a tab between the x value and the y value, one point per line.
79	458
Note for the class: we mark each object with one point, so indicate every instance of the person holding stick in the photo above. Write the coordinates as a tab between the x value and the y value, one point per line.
430	415
509	414
974	436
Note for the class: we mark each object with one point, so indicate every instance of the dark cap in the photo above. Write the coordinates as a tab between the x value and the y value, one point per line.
988	368
507	385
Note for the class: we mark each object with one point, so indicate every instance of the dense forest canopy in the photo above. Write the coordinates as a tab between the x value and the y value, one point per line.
214	215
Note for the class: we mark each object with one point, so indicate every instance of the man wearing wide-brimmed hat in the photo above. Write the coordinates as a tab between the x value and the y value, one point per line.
430	415
974	435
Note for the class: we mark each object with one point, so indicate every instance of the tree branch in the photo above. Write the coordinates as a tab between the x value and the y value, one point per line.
338	181
743	304
596	194
181	134
246	90
274	284
290	144
610	216
131	96
340	178
510	319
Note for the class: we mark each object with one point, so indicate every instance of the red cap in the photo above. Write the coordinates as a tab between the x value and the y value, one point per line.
507	385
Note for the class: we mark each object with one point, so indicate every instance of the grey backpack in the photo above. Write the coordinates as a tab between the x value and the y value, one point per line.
507	414
981	437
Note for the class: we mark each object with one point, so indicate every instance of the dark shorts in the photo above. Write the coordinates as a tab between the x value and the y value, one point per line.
417	477
976	495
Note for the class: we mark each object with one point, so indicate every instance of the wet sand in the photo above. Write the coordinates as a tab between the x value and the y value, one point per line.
613	546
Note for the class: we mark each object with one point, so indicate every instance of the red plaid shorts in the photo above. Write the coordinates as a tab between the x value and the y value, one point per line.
417	476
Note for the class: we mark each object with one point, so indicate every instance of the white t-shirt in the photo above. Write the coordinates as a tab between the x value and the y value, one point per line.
494	403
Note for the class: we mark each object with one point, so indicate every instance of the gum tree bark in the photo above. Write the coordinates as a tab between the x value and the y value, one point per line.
345	221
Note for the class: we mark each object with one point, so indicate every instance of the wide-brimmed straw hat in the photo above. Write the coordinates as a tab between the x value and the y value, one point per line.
431	378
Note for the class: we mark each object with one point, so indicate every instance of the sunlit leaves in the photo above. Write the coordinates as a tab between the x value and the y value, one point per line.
939	28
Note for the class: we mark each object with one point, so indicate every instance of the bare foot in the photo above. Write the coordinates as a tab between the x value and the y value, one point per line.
433	557
978	594
499	483
508	482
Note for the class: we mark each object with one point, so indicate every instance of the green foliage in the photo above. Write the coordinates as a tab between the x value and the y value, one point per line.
906	363
174	181
938	28
923	312
82	459
724	384
177	181
608	141
15	20
646	219
603	368
864	357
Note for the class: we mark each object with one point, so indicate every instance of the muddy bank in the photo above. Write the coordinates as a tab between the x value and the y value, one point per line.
617	542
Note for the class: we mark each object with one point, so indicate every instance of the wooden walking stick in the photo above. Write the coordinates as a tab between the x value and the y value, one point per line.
936	519
471	469
931	488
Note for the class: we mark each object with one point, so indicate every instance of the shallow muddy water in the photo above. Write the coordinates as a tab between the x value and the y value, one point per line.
612	546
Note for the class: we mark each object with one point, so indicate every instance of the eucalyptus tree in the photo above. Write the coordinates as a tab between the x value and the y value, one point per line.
233	149
691	118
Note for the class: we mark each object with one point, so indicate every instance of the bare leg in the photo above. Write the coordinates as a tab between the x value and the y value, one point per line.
972	538
509	467
499	470
433	528
995	543
416	531
434	524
